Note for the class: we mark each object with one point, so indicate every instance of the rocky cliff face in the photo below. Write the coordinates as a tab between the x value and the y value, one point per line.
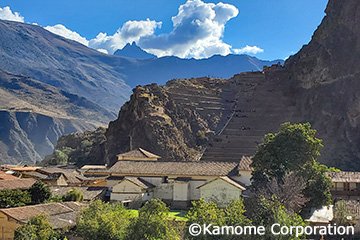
325	74
174	121
320	85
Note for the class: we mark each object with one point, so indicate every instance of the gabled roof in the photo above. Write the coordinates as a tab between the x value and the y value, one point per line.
344	176
137	153
17	183
245	163
228	180
24	169
72	176
60	214
6	176
90	193
154	168
139	182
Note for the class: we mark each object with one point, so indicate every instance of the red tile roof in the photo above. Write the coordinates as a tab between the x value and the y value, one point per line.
17	183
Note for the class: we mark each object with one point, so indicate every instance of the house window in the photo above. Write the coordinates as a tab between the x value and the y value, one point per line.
346	186
165	180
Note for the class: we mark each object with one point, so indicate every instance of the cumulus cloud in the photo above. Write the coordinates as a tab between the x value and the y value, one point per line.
7	14
67	33
198	31
248	49
131	31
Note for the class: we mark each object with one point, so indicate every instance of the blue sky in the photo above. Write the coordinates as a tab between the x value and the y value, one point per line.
272	29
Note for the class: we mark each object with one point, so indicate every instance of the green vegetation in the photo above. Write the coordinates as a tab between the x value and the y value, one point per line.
209	213
293	149
37	228
114	222
173	214
343	215
36	194
73	195
14	198
39	193
153	223
266	212
78	148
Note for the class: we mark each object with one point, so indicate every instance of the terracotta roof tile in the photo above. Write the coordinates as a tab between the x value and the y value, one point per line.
344	176
61	214
6	176
245	163
174	168
17	183
139	152
90	193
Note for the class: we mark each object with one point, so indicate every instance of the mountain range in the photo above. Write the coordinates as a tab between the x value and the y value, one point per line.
75	88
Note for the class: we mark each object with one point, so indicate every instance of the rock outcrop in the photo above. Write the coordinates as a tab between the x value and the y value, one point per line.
216	119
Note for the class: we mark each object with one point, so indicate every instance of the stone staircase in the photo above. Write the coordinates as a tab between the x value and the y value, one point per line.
260	108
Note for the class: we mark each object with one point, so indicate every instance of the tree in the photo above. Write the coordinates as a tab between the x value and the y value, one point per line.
153	223
37	228
14	198
234	216
343	215
104	221
289	193
39	193
293	149
205	213
73	195
266	212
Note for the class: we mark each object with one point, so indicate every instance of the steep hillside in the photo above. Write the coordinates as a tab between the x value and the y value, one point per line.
326	75
34	115
160	70
104	79
33	51
224	119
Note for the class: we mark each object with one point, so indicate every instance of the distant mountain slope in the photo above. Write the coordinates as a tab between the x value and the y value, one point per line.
33	115
104	79
160	70
33	51
133	51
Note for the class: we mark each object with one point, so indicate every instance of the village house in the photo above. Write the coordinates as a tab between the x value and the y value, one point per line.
55	176
60	215
138	176
90	193
346	185
13	184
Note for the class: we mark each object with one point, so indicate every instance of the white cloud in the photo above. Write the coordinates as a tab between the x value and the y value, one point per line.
248	49
198	31
67	33
130	32
7	14
102	50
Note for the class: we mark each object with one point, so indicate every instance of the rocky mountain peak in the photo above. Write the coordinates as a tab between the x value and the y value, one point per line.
133	51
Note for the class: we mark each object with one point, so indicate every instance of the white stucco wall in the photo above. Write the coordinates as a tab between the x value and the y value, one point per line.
126	190
220	192
180	191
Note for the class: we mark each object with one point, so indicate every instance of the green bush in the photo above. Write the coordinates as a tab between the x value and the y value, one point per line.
73	195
